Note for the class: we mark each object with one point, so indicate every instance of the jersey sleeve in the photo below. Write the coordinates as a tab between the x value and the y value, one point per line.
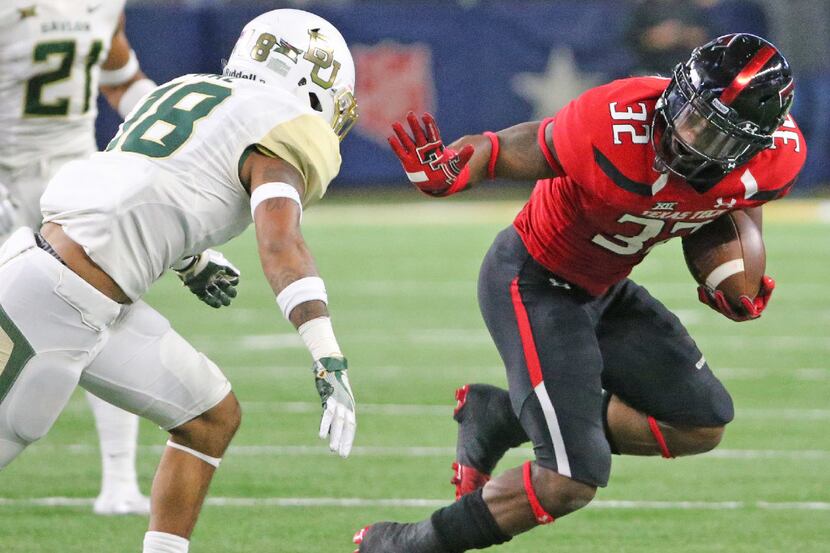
544	137
605	130
310	145
569	136
778	167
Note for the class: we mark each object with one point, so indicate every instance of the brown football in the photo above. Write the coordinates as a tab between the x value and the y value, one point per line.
728	255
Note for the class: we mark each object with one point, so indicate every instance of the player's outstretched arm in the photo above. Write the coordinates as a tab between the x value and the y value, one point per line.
122	82
512	153
276	191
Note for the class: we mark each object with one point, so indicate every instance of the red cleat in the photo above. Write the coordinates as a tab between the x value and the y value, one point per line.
358	537
466	479
460	398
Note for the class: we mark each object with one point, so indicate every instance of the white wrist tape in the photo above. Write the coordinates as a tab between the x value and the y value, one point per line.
301	291
212	461
184	263
115	77
318	337
133	94
275	190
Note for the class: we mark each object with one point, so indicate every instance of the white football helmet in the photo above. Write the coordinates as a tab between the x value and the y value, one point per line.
304	54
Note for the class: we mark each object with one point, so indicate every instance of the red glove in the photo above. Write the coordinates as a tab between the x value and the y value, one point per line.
434	169
749	309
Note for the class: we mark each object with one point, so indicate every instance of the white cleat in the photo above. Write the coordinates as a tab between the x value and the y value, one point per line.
110	504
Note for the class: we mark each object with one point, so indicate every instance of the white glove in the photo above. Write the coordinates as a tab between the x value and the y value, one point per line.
338	422
210	276
8	213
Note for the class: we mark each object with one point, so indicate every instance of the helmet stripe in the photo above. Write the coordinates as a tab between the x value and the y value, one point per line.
742	80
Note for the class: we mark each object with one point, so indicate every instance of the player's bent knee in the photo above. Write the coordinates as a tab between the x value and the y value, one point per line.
212	431
693	440
560	495
705	439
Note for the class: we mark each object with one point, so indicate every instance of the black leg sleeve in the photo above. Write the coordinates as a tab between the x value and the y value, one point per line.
467	524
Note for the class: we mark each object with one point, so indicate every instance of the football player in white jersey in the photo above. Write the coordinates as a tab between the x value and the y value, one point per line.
55	55
195	162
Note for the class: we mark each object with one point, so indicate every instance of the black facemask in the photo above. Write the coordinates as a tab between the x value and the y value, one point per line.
701	139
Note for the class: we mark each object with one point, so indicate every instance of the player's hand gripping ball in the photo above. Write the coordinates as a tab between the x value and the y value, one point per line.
211	277
434	169
338	422
727	258
750	308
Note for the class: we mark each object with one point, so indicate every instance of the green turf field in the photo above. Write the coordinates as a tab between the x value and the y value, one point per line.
401	282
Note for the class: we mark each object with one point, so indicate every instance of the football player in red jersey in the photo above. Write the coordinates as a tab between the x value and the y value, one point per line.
595	365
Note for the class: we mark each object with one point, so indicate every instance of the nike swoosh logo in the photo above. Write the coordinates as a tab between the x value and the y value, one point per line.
90	9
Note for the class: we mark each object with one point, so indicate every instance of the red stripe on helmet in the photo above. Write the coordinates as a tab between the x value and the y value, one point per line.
746	75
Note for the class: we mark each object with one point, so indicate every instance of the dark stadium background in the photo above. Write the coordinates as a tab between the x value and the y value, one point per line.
481	65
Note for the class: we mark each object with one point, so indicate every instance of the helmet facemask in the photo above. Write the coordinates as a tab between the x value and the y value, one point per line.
702	138
326	89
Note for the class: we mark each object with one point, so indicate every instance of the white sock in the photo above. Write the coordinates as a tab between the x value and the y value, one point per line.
160	542
117	433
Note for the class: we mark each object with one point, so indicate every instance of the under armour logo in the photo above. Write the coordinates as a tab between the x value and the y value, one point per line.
749	126
559	284
720	204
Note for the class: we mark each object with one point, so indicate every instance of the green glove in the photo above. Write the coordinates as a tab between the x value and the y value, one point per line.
338	421
211	277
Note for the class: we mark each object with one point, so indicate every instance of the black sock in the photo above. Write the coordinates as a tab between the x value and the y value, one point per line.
606	399
467	524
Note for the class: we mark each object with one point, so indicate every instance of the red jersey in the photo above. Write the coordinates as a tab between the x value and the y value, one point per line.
609	207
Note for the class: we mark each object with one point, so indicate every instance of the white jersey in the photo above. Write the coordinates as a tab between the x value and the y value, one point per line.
168	185
50	56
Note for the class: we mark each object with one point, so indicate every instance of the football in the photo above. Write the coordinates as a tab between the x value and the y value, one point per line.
728	255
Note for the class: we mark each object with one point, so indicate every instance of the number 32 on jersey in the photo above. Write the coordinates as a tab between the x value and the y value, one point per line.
639	132
166	119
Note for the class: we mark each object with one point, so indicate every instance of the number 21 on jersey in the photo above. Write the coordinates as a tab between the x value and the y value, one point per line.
63	53
166	119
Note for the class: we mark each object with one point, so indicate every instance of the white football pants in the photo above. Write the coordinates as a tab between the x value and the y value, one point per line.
57	331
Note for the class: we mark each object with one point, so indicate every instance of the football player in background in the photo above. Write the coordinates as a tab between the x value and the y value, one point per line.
55	56
595	365
198	159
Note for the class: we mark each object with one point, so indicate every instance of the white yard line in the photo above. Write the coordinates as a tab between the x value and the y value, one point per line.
417	410
255	502
810	374
445	410
502	212
434	452
471	337
799	415
749	373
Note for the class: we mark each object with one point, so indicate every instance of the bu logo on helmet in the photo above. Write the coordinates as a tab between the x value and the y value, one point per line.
392	78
